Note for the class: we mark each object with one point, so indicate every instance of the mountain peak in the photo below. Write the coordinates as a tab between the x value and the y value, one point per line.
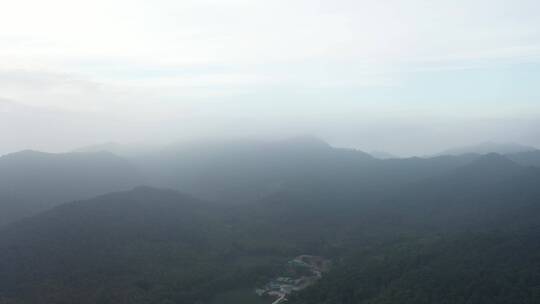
491	166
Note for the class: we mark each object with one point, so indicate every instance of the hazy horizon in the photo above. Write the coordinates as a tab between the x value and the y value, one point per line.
405	77
140	147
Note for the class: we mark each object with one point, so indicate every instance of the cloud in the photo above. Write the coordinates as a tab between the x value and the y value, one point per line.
216	65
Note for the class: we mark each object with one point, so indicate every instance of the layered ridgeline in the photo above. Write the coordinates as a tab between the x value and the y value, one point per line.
226	171
245	171
490	147
440	230
230	172
32	181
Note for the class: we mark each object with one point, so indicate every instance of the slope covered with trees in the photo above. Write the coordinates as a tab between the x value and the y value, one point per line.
32	181
439	230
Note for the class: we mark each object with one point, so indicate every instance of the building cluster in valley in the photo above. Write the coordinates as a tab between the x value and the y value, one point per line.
300	273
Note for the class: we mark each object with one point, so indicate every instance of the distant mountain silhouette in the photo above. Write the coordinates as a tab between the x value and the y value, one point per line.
404	216
488	190
244	171
41	180
528	158
122	150
382	155
489	147
490	167
241	171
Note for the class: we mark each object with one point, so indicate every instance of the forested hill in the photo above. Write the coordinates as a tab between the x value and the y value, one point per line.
471	236
453	237
141	246
32	181
475	268
230	172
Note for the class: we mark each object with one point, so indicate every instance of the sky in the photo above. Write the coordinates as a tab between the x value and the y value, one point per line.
409	77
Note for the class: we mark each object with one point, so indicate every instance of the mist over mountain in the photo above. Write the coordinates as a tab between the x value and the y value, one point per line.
269	152
245	170
265	202
382	155
241	171
530	158
490	147
122	150
40	180
481	193
231	171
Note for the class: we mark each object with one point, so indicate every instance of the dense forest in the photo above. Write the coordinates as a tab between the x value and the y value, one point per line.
443	229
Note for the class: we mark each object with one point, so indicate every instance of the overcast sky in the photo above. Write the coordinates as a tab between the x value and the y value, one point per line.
408	77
